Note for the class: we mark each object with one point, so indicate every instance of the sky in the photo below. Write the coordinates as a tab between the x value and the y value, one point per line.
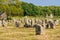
44	2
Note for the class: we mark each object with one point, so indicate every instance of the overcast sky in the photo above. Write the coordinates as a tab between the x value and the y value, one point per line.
44	2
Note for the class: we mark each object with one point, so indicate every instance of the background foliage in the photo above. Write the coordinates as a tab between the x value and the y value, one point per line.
18	8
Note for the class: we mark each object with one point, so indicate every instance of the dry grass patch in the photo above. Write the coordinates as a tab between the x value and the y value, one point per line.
14	33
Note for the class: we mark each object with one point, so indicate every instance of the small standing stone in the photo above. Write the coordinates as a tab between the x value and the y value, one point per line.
0	23
47	26
17	24
51	24
3	23
56	22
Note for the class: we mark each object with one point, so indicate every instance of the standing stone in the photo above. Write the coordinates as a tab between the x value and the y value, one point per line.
42	30
31	22
56	22
51	16
43	23
51	24
37	21
46	21
43	27
26	20
17	24
47	25
5	23
0	23
47	16
39	29
20	23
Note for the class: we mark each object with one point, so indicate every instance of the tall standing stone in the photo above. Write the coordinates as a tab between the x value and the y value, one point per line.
33	22
26	20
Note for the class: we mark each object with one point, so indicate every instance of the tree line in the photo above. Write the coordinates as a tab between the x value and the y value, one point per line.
18	8
33	10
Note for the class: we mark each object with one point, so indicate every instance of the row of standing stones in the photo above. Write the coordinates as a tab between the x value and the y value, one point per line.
38	24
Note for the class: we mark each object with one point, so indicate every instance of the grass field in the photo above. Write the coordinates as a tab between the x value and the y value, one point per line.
14	33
